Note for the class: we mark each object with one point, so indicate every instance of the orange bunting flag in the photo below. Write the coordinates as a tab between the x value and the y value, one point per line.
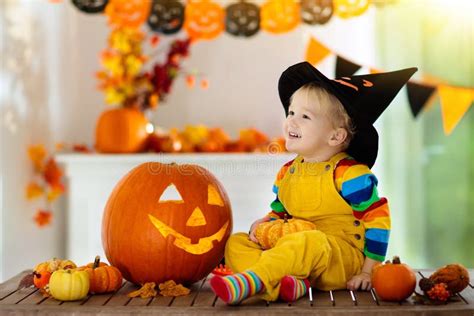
316	52
43	218
455	102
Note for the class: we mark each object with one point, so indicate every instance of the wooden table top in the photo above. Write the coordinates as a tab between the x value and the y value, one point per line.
28	301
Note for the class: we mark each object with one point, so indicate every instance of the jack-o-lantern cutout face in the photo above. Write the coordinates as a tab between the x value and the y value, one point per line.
316	11
350	8
166	222
166	16
280	16
204	19
90	6
242	19
127	13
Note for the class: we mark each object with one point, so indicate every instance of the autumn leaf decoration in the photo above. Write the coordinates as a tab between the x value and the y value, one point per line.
46	183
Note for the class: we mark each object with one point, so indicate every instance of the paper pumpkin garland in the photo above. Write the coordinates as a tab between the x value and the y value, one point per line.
280	16
350	8
316	11
243	19
166	222
90	6
166	16
127	13
204	19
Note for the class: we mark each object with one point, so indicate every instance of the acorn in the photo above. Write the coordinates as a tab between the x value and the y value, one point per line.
426	284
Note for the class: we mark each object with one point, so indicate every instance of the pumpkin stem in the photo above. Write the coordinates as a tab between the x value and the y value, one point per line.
96	262
36	274
285	219
396	260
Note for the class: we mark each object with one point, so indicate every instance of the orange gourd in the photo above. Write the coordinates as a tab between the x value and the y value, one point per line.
280	16
166	222
204	19
103	278
455	276
268	233
41	278
128	13
394	281
122	130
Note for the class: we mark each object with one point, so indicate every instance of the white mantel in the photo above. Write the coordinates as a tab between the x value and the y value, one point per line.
247	178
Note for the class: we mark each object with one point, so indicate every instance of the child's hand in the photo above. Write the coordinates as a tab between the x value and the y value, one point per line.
254	226
362	281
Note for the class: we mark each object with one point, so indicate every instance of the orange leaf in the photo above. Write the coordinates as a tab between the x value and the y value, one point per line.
52	174
33	190
190	81
55	192
170	288
43	217
204	84
146	291
37	153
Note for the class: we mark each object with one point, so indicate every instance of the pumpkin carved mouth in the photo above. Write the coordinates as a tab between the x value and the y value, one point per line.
205	244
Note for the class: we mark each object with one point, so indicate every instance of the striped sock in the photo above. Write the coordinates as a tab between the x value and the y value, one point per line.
292	288
234	288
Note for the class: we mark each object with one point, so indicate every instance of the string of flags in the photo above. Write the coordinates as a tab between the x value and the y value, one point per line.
455	100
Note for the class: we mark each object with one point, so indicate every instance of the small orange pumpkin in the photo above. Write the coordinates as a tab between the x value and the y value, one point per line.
103	278
268	233
394	281
280	16
41	278
204	19
455	276
122	130
128	13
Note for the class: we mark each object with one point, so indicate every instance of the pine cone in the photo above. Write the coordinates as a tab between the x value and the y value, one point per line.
426	284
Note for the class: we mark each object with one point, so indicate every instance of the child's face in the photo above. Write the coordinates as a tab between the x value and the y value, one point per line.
307	128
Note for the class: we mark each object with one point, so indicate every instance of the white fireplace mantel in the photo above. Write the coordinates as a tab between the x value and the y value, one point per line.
247	178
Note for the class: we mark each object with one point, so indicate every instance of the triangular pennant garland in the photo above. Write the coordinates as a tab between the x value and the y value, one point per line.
418	96
315	51
345	68
455	102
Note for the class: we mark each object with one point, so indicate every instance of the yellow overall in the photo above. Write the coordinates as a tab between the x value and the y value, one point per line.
328	256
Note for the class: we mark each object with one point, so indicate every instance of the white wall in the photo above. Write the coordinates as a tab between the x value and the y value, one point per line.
50	96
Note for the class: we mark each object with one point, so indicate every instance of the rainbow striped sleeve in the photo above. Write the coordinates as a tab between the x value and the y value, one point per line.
358	186
278	210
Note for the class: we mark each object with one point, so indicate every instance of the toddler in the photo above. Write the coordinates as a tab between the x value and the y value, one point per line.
329	125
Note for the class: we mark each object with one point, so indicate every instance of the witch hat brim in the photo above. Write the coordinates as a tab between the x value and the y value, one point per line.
364	97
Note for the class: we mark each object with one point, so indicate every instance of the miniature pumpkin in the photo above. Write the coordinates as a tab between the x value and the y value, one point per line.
350	8
103	278
69	285
204	19
90	6
455	276
121	130
166	222
268	233
166	16
42	271
242	19
394	281
127	13
316	11
279	16
41	278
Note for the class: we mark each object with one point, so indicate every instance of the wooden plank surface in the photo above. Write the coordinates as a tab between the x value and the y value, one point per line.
201	300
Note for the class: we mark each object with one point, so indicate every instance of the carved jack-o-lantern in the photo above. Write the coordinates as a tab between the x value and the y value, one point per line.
280	16
350	8
127	13
90	6
166	16
242	19
166	222
204	19
316	11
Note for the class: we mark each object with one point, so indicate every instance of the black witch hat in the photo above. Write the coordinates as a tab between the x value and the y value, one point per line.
364	97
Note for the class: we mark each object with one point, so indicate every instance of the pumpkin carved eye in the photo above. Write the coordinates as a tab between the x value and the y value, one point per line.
171	195
213	196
